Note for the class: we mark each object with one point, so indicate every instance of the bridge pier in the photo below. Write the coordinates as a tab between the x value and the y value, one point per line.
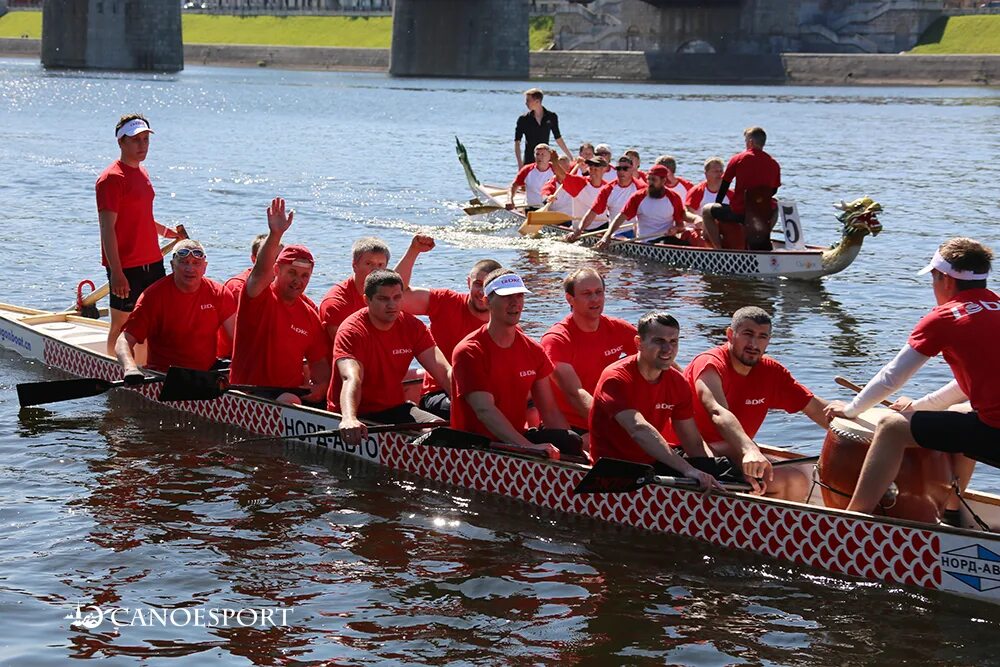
460	38
140	35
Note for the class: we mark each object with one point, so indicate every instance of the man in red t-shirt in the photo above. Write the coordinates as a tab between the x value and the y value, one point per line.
753	169
275	327
964	328
179	315
734	386
348	296
637	398
234	285
497	367
532	178
453	316
707	191
130	251
372	354
582	344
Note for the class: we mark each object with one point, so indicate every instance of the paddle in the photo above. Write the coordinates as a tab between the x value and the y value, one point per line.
372	428
187	384
454	439
87	306
844	382
53	391
543	217
617	476
482	209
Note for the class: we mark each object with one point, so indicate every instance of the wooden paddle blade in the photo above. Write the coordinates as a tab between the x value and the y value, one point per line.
615	476
481	210
36	393
186	384
538	219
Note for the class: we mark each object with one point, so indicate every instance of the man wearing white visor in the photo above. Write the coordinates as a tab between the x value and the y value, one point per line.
495	370
130	250
964	328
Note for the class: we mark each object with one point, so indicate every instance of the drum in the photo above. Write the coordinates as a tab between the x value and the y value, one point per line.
922	485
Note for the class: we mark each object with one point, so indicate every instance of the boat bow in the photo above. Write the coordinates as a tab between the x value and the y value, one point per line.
858	219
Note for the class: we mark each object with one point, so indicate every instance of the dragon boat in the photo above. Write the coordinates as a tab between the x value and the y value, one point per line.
960	561
787	258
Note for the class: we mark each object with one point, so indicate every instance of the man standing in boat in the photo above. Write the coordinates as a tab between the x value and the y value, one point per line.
497	368
534	127
659	213
348	296
130	251
532	178
752	169
639	397
371	356
453	316
179	315
964	329
582	344
275	327
734	386
611	199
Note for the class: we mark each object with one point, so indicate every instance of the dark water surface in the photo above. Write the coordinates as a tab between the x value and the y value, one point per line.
115	503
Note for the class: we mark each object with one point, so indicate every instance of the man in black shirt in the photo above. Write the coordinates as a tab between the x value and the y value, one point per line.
535	127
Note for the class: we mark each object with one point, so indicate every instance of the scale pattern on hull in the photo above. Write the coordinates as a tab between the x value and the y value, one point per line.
858	548
256	416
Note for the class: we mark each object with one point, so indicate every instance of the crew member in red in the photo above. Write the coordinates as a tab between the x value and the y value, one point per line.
678	185
532	178
639	397
275	328
372	355
964	329
582	190
611	199
752	169
734	386
130	251
348	296
582	344
453	316
633	155
179	315
659	214
234	285
497	367
707	191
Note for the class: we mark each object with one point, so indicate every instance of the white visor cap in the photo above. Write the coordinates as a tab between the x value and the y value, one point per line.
944	266
132	128
507	284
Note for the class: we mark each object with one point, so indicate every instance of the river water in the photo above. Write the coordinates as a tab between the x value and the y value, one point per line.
111	502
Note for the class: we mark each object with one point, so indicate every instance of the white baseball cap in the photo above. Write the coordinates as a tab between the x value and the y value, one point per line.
944	266
507	284
132	128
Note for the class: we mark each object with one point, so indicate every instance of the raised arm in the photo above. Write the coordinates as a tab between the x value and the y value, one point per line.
418	244
278	222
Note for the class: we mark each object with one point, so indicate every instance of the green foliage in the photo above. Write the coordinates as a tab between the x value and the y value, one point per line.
540	33
961	34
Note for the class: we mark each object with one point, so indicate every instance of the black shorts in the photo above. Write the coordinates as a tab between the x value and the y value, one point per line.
726	214
718	467
139	278
957	433
436	403
404	413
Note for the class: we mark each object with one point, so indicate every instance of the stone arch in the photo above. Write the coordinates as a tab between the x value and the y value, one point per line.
696	46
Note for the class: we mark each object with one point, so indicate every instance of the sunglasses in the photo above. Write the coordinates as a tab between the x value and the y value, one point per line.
197	253
622	168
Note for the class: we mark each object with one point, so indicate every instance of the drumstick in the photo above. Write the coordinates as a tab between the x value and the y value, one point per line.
844	382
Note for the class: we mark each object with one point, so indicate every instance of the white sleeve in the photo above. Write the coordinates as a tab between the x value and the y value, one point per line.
891	378
941	399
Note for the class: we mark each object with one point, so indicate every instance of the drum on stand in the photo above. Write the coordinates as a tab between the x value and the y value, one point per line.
923	483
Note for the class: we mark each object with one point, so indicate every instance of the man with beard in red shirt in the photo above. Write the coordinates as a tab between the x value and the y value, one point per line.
734	386
964	329
497	367
582	344
639	397
179	315
453	316
372	354
275	327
